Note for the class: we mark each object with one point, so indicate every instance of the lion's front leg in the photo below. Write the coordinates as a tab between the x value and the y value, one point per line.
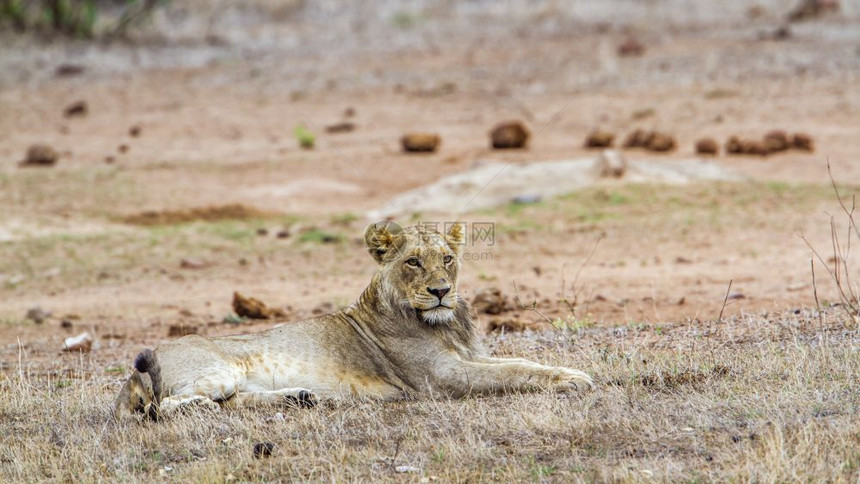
497	375
495	361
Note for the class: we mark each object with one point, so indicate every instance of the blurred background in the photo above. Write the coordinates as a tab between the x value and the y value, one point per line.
155	156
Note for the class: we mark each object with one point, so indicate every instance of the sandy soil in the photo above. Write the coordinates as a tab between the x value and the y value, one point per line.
216	119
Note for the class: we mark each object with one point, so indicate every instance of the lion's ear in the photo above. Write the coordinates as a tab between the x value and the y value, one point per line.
382	239
456	236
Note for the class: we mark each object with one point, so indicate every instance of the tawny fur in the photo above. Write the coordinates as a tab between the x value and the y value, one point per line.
408	334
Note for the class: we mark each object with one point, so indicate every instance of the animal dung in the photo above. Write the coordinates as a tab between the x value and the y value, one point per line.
420	142
637	138
661	142
810	9
40	155
178	330
77	108
773	142
599	139
803	142
650	140
509	135
707	146
776	141
249	307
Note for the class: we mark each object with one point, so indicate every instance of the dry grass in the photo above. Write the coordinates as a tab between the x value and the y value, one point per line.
764	398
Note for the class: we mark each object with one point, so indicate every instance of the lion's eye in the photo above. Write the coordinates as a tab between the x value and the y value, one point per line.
448	259
413	262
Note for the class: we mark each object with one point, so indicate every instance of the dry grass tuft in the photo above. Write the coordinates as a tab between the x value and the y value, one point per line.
756	398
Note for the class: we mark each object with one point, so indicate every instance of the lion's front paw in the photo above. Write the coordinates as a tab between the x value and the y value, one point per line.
571	380
177	404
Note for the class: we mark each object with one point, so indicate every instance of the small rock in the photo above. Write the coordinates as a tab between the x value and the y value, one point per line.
631	48
707	146
262	231
109	159
66	324
123	148
682	260
249	307
490	301
77	108
283	234
599	139
736	295
134	131
82	342
344	127
263	450
611	164
40	155
406	469
420	142
508	135
802	141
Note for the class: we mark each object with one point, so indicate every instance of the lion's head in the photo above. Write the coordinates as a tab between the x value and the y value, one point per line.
418	267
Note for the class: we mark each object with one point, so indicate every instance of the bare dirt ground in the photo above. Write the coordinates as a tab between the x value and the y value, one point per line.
623	281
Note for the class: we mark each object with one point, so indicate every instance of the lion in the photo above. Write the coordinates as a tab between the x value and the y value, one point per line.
409	334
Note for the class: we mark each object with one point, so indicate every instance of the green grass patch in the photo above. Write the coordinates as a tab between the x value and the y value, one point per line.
320	237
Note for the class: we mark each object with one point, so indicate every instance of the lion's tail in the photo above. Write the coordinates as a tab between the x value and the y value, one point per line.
147	362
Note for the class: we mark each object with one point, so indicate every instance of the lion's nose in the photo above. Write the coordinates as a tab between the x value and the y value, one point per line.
439	292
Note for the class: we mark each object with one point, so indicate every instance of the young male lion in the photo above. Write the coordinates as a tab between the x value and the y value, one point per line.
408	334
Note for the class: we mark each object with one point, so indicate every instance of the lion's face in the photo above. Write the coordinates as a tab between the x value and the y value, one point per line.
418	267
